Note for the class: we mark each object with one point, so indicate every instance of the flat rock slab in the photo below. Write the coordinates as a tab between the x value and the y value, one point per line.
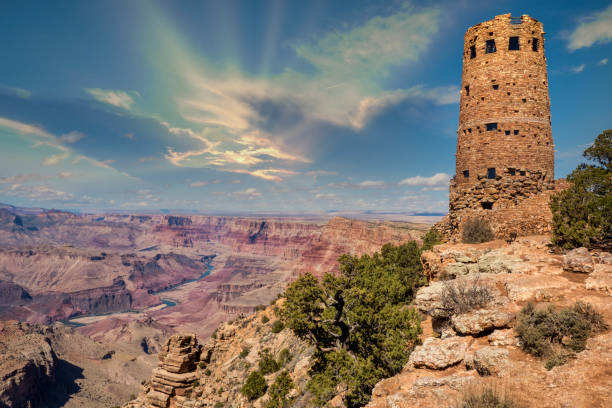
578	260
439	353
481	321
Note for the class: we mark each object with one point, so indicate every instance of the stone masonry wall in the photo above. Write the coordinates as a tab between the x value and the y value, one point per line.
505	150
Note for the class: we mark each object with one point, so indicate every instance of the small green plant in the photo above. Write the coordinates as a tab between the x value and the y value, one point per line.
279	390
132	397
260	307
556	334
461	296
220	391
277	326
218	405
284	357
267	363
477	230
195	383
245	352
202	364
207	372
265	319
488	398
214	334
430	239
255	386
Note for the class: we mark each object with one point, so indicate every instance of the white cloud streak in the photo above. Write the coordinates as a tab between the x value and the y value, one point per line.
594	29
437	180
120	99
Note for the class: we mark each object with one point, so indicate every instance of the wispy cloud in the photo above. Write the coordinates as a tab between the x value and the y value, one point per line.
603	61
596	28
578	69
120	99
266	174
71	137
437	180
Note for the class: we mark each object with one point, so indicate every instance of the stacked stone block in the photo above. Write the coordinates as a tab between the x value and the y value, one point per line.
176	373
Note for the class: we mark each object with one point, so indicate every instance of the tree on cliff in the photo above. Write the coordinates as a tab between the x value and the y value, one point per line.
359	320
582	214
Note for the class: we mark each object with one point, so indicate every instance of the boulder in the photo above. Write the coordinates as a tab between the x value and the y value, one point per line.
503	337
578	260
481	321
439	353
490	360
498	262
601	279
429	299
603	258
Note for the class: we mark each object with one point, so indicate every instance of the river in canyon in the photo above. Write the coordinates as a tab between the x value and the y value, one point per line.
84	320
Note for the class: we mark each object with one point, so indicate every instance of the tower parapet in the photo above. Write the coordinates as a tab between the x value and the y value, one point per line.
505	150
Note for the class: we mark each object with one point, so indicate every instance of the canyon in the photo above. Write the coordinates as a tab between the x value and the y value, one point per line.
128	281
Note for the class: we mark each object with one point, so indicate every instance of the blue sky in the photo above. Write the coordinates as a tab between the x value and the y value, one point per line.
251	106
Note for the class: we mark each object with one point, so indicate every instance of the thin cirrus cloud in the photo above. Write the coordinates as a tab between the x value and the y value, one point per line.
437	180
593	29
243	121
578	69
120	99
603	61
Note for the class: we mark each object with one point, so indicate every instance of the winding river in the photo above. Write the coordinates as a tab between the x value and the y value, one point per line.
81	320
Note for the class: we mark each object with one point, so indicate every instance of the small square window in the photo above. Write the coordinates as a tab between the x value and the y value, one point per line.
472	52
496	87
466	173
516	132
467	90
534	44
491	126
512	171
507	132
522	172
491	173
490	47
513	44
487	206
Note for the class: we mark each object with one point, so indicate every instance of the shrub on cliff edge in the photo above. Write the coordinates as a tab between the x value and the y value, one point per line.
430	239
582	214
359	321
476	230
556	334
255	386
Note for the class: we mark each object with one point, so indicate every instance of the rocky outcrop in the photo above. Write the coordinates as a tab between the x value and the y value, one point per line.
578	260
492	356
175	375
13	294
439	353
481	321
490	360
27	366
223	365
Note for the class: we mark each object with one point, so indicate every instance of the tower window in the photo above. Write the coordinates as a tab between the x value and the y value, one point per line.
516	132
512	171
466	173
513	45
491	126
467	90
522	172
490	47
472	51
487	206
534	44
507	132
491	173
496	87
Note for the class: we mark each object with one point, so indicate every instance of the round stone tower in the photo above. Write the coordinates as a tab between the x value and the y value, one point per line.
504	117
505	150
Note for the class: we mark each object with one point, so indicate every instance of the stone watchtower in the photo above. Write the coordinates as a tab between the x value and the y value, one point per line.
505	150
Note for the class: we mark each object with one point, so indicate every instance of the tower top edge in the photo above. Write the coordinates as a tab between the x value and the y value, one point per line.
507	19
